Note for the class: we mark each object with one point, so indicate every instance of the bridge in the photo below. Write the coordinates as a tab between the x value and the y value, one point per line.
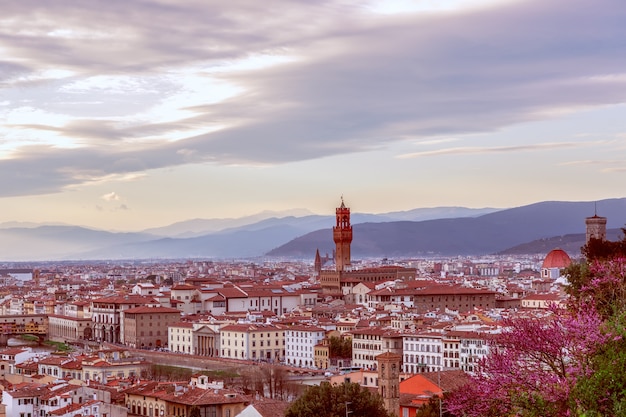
18	325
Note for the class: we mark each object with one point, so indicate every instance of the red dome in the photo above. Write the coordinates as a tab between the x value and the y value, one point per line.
557	258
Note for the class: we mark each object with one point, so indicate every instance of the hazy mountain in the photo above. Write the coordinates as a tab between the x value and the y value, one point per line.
58	242
28	225
432	213
486	234
237	244
304	219
199	227
378	235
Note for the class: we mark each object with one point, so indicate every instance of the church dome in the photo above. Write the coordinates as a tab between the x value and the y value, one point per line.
556	258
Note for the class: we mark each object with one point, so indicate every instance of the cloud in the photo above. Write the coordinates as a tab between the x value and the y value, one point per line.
587	162
614	169
487	150
121	207
112	196
347	81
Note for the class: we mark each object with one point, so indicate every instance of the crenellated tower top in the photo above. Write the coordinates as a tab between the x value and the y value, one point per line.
342	235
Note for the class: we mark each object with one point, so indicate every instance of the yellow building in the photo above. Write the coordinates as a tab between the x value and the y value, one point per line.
253	342
322	354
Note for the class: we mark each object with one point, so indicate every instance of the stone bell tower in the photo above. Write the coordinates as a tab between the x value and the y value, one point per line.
596	227
389	380
342	235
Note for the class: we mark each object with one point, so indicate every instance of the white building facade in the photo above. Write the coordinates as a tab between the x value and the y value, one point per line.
300	344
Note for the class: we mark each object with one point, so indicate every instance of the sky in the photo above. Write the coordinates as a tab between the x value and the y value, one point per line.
130	114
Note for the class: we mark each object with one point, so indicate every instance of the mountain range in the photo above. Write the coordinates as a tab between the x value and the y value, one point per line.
440	231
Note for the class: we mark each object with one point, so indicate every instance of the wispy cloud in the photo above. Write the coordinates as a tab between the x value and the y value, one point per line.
488	150
614	169
112	196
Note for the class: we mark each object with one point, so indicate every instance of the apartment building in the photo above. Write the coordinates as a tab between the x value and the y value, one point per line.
106	314
372	341
180	337
300	342
472	348
264	342
147	327
423	352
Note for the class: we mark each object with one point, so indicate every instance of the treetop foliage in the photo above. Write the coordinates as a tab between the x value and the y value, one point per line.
598	250
340	347
326	400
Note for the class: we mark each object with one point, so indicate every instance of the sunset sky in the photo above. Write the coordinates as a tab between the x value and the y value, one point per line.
126	114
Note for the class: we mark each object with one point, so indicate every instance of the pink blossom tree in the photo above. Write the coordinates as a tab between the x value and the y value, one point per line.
604	287
533	366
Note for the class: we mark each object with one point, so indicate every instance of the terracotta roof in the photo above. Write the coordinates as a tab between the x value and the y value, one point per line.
58	391
552	297
251	328
151	310
29	390
185	324
556	258
199	396
232	292
448	380
126	299
303	328
271	408
52	360
184	287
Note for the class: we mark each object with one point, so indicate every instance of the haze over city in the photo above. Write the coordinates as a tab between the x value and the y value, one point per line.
129	115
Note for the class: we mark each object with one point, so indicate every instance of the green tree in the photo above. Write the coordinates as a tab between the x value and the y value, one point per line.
431	408
160	372
340	347
598	250
195	412
328	400
603	391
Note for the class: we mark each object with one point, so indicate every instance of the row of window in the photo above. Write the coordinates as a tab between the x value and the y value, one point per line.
305	335
424	360
243	344
422	347
253	334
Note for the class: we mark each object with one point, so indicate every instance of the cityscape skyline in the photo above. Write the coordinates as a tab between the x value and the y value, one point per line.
126	117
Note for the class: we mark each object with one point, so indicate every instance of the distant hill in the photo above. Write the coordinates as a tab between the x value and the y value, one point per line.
473	232
245	237
569	243
304	220
58	242
200	227
486	234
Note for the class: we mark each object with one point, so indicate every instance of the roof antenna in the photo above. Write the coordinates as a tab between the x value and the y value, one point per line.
595	209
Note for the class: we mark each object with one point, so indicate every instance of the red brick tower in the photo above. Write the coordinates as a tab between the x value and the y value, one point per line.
342	235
